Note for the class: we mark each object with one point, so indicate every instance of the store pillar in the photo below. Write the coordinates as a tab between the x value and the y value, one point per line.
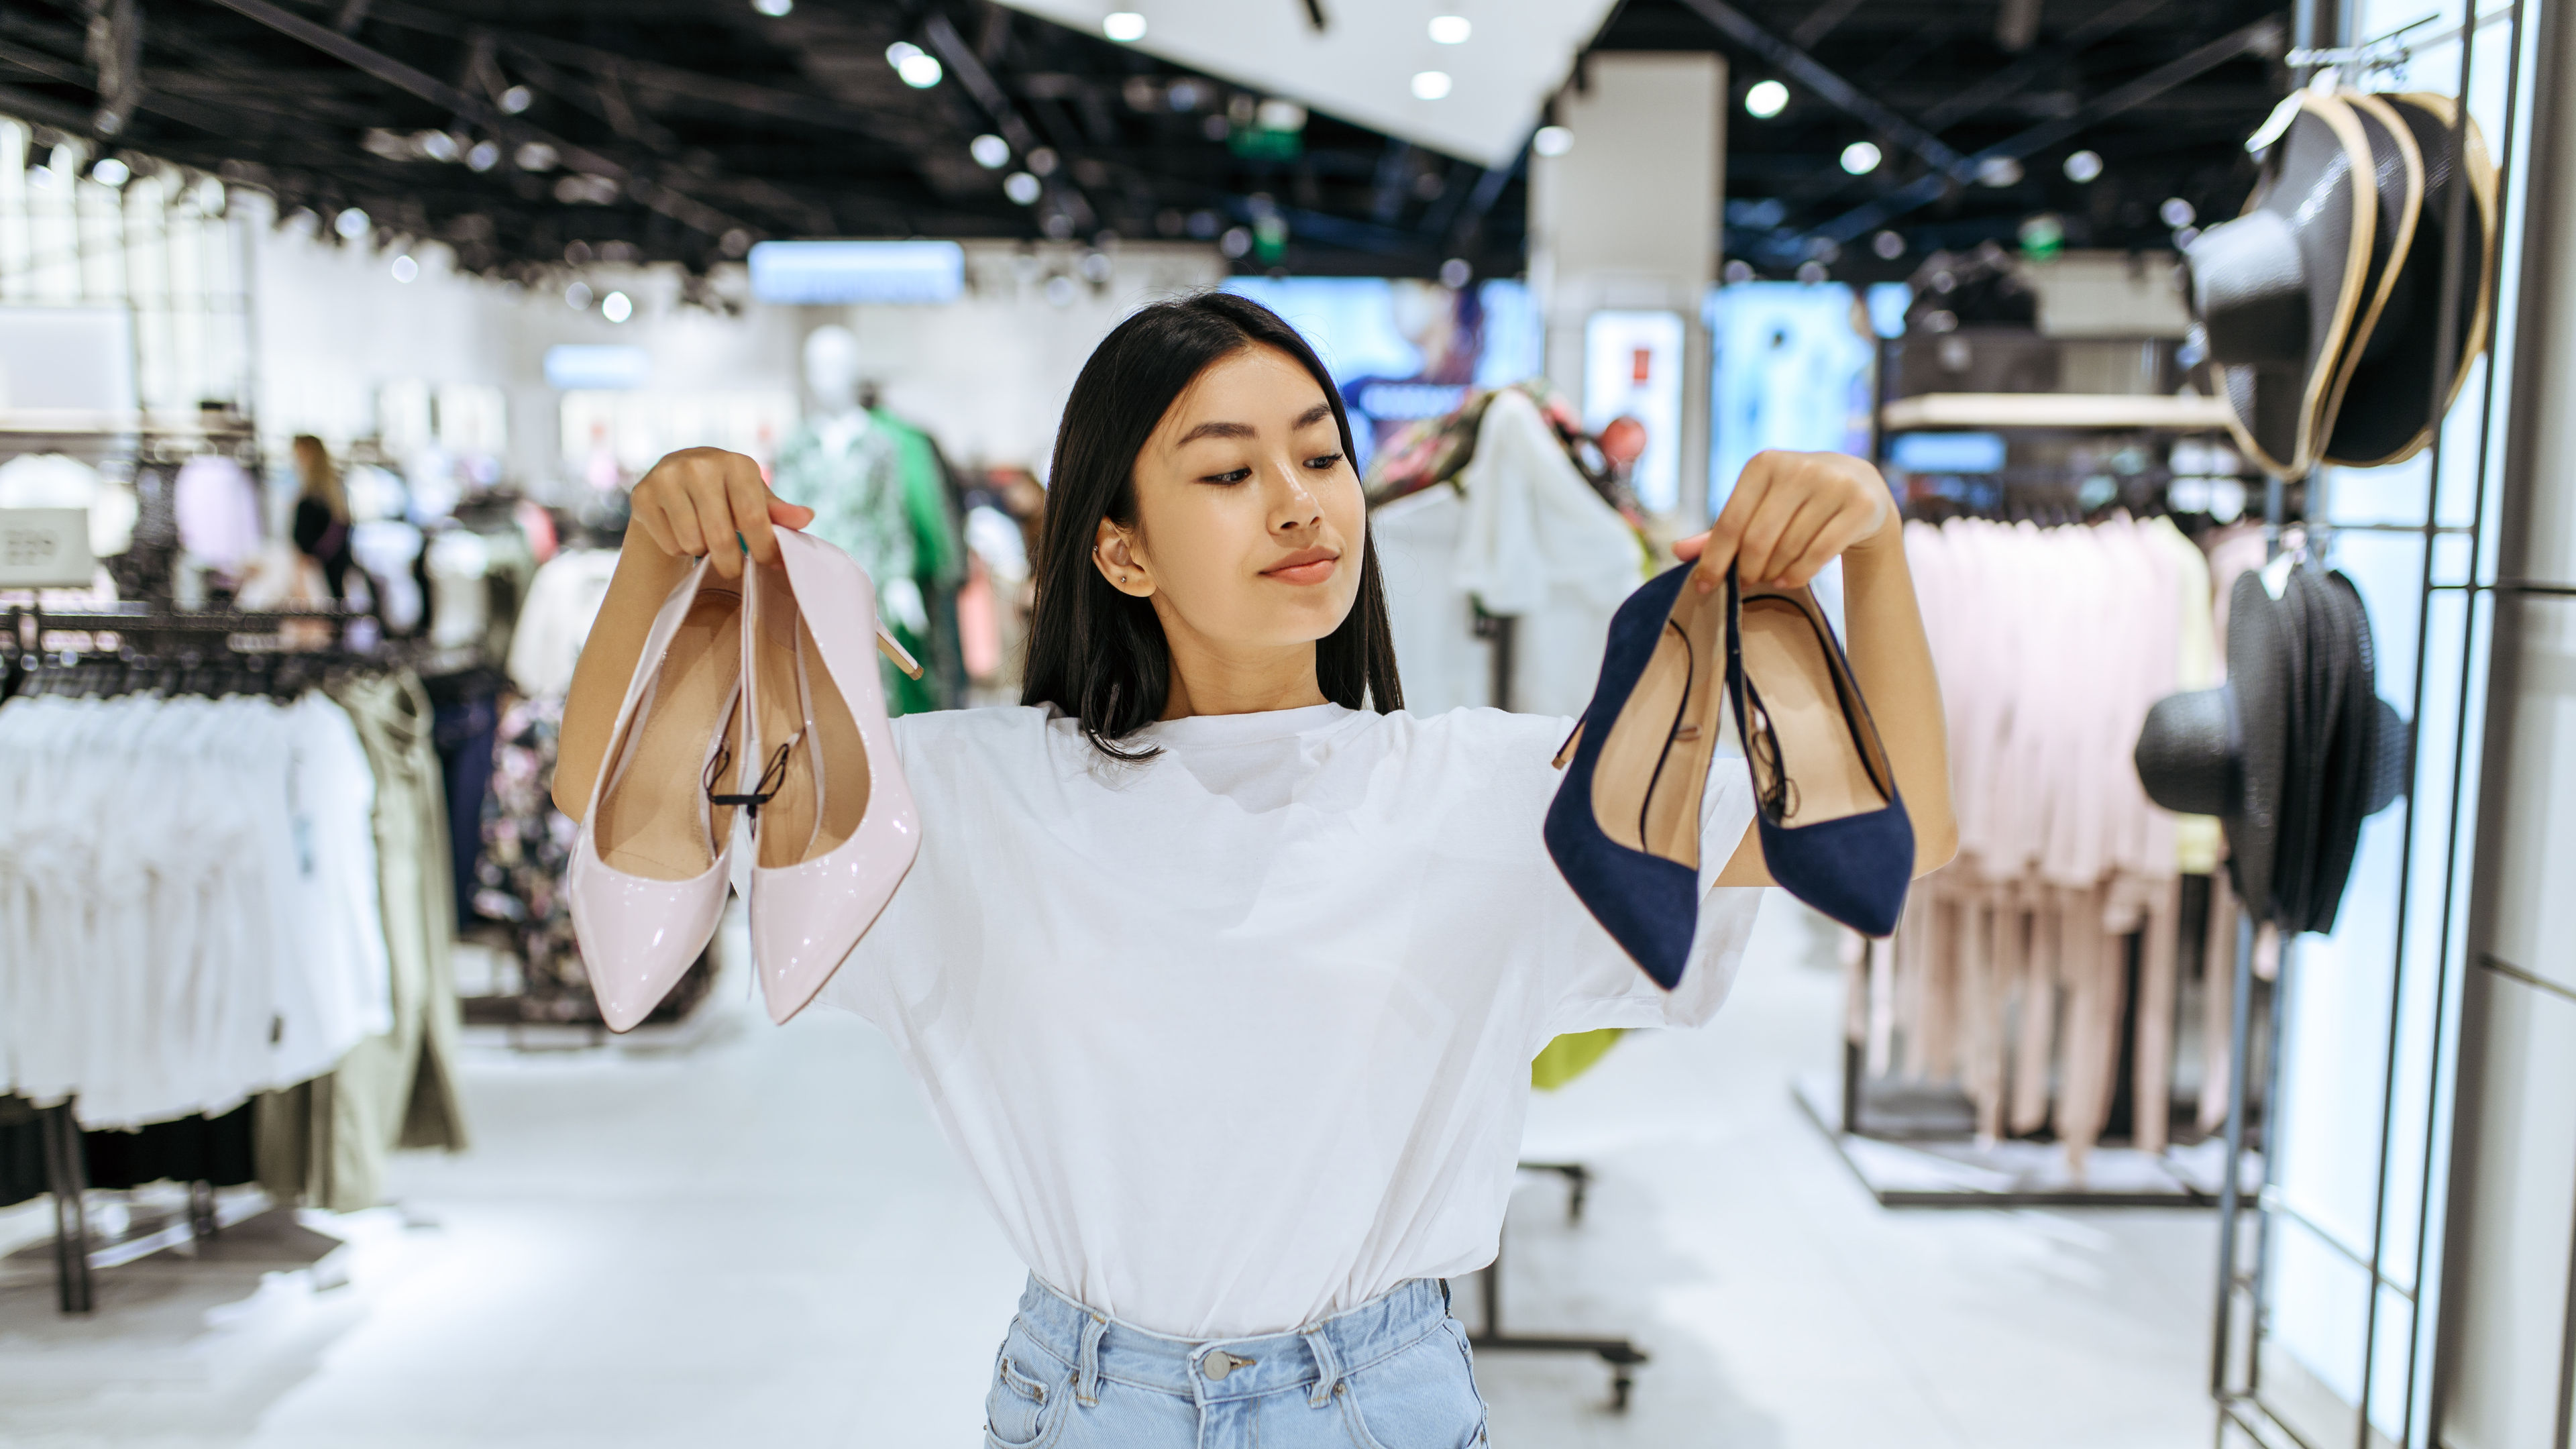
1623	246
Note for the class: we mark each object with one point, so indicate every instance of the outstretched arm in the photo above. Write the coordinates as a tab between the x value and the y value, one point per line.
1791	514
691	506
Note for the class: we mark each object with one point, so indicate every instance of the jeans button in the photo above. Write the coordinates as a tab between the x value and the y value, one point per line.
1217	1364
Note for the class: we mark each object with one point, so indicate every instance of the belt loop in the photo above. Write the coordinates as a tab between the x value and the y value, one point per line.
1328	1366
1444	1297
1086	1376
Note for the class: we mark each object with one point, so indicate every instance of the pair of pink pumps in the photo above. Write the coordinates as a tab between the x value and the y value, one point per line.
763	696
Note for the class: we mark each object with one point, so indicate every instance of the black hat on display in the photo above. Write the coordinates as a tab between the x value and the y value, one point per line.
2387	409
2278	289
2291	754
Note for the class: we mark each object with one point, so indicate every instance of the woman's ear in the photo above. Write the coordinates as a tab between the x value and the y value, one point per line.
1115	557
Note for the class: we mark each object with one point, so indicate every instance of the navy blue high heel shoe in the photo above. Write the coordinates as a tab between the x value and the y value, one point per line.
1834	829
1624	828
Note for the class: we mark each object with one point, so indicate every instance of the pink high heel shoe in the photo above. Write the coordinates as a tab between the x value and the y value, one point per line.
648	875
833	825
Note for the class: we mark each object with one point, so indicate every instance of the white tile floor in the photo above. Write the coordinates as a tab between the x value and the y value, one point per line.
759	1239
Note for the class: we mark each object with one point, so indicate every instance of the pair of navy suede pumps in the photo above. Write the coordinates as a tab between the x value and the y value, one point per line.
1625	825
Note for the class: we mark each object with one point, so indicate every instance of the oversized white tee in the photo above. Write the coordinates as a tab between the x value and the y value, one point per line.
1239	1037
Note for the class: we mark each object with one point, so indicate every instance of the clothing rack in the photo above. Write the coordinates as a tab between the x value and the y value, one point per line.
156	648
1622	1355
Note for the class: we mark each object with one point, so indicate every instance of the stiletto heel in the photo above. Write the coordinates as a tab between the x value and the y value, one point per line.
646	884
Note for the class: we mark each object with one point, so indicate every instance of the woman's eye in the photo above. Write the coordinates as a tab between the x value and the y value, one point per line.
1237	476
1322	461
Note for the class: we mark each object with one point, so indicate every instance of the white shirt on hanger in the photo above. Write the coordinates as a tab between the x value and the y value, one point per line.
1239	1037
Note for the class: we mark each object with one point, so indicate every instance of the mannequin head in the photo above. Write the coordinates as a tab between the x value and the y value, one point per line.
832	368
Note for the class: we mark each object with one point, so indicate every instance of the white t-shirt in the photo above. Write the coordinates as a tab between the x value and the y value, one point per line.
1239	1037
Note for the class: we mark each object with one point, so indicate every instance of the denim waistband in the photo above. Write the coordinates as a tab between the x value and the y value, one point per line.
1315	1358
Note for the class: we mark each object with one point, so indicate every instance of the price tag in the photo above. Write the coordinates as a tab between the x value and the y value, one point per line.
45	548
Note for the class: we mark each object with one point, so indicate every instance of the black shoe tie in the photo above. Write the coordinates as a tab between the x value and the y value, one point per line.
772	779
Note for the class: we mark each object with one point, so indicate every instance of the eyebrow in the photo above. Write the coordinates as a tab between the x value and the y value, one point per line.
1306	419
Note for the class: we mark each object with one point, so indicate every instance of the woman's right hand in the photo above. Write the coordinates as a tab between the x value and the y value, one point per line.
696	501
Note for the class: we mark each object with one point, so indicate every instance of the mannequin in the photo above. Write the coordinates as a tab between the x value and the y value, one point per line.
843	465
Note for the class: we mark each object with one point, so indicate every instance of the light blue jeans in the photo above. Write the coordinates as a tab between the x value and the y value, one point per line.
1393	1373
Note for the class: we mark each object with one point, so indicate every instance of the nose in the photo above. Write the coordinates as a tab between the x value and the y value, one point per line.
1296	506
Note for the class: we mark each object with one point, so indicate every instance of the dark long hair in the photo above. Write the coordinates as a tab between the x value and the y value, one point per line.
1098	654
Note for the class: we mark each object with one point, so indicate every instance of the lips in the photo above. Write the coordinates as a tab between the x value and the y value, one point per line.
1305	566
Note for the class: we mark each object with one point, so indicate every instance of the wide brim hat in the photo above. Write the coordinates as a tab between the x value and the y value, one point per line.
2278	288
2388	402
2291	753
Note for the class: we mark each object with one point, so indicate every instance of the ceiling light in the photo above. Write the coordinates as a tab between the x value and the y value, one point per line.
1888	245
1276	114
577	296
517	99
1456	272
436	145
616	307
773	8
2083	166
405	269
535	156
990	151
1999	171
1451	29
1042	161
1236	241
111	172
1861	157
1430	85
483	157
1124	26
351	223
1552	141
1021	187
920	72
1765	99
2177	212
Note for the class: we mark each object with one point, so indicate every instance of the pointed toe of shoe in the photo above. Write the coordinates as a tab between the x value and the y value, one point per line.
638	936
1855	870
1649	905
806	919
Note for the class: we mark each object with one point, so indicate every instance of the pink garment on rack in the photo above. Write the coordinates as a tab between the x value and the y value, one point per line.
218	508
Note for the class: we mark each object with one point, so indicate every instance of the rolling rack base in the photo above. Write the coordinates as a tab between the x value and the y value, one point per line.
1620	1354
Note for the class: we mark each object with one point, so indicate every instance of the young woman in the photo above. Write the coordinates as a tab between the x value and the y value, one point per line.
1223	973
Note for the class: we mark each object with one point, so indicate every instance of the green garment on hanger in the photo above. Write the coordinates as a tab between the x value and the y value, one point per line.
1568	1057
939	561
861	503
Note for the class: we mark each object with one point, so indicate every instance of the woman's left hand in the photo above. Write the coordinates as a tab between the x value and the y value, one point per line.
1790	515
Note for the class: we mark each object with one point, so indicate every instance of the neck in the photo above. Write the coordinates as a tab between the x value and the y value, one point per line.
1213	678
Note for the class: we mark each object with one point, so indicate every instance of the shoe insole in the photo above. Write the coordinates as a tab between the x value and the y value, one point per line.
1784	661
786	824
653	819
1647	784
824	793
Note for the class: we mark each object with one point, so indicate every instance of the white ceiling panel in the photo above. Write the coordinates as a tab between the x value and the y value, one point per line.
1361	66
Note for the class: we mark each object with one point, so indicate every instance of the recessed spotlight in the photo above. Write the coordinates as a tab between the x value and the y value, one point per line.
1888	245
1861	157
577	296
484	156
1430	85
616	307
111	172
405	269
1451	29
921	72
1278	114
2082	166
2177	212
1021	187
1236	241
1124	26
990	151
1999	171
1765	99
351	223
1552	141
517	99
773	8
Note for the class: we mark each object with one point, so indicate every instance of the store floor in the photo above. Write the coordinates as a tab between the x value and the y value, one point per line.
758	1238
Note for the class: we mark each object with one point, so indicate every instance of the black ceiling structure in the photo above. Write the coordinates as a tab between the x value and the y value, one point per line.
529	134
2162	92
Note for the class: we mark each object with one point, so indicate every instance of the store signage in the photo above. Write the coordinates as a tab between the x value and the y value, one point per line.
828	273
45	548
597	367
1632	368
